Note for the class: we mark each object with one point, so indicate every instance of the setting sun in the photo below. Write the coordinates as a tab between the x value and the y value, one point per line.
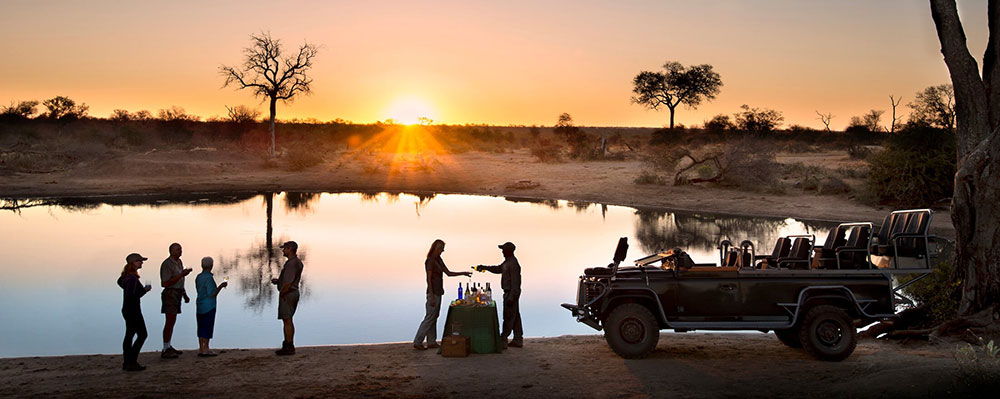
408	110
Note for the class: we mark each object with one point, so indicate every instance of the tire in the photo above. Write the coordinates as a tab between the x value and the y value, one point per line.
632	331
828	333
789	337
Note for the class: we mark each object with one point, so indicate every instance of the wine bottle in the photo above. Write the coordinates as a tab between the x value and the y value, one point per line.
467	291
460	291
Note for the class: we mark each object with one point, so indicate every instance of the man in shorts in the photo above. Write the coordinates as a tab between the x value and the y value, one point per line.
288	296
172	274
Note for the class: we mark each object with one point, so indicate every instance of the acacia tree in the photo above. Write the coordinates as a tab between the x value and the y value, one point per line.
934	106
270	74
975	211
677	85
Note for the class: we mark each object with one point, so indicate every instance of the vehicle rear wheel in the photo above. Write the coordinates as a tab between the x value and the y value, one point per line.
789	337
631	331
828	333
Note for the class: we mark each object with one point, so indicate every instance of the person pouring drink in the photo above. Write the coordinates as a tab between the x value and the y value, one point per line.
510	281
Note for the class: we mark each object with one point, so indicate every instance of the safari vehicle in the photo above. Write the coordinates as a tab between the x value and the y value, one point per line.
812	297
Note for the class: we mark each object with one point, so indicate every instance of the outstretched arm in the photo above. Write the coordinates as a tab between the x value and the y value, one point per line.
450	273
498	269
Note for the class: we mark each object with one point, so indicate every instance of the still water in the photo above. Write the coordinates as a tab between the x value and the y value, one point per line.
363	280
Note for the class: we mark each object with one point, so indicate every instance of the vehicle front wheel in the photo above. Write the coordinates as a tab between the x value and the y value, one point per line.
828	333
631	331
789	337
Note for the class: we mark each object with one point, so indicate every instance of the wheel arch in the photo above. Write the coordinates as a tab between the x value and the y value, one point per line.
646	299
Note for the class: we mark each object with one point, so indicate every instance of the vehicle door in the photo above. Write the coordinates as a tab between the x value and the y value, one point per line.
706	293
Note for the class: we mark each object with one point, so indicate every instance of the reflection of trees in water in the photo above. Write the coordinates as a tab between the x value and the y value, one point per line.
548	203
255	267
300	202
88	204
657	230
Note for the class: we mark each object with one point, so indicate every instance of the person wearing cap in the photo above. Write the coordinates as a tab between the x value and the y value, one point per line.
510	282
172	274
204	283
288	296
434	267
135	325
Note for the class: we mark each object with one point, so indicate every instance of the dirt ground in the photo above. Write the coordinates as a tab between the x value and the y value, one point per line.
691	365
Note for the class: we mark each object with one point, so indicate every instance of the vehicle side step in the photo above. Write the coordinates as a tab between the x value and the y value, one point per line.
730	325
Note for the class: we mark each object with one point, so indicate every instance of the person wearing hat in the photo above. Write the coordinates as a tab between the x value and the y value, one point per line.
288	295
172	273
135	325
510	282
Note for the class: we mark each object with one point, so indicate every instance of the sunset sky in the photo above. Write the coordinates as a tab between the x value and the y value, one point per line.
494	62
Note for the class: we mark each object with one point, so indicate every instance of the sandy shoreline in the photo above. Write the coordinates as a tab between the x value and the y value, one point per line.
179	172
690	365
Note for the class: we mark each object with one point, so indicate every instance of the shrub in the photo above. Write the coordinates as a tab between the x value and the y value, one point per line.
833	185
857	151
979	370
648	177
916	169
302	157
546	151
749	165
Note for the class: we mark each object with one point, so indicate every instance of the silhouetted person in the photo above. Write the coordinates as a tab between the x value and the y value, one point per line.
434	267
135	325
172	274
288	294
204	284
510	282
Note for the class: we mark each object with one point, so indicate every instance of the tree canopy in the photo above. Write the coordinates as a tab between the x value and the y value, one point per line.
676	85
270	74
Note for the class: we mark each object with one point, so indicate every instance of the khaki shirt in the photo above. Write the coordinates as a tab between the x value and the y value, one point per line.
169	269
291	273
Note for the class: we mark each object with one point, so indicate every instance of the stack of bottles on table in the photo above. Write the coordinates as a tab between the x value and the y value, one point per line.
475	294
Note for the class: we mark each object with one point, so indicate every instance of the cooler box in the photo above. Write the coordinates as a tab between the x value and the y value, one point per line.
455	346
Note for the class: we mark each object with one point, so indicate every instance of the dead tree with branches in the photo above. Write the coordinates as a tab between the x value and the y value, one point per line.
825	118
895	102
268	73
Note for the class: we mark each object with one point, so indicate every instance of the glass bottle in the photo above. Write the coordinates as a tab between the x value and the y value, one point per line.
467	291
460	291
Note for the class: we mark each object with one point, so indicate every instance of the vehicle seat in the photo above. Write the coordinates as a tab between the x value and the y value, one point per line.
898	226
826	255
598	271
781	248
912	246
854	255
798	256
882	237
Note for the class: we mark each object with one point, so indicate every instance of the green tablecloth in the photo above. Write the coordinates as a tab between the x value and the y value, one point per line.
479	323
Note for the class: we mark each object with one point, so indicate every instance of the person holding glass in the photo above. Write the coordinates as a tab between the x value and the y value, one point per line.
207	292
434	268
135	325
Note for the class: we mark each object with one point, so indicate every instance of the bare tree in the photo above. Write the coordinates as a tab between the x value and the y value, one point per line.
975	210
895	103
270	74
825	118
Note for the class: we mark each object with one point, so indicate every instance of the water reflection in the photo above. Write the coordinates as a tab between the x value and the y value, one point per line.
697	232
363	280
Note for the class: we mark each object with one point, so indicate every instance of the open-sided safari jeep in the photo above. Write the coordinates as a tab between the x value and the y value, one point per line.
811	296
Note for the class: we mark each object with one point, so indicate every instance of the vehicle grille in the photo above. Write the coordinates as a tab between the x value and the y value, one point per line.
591	289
